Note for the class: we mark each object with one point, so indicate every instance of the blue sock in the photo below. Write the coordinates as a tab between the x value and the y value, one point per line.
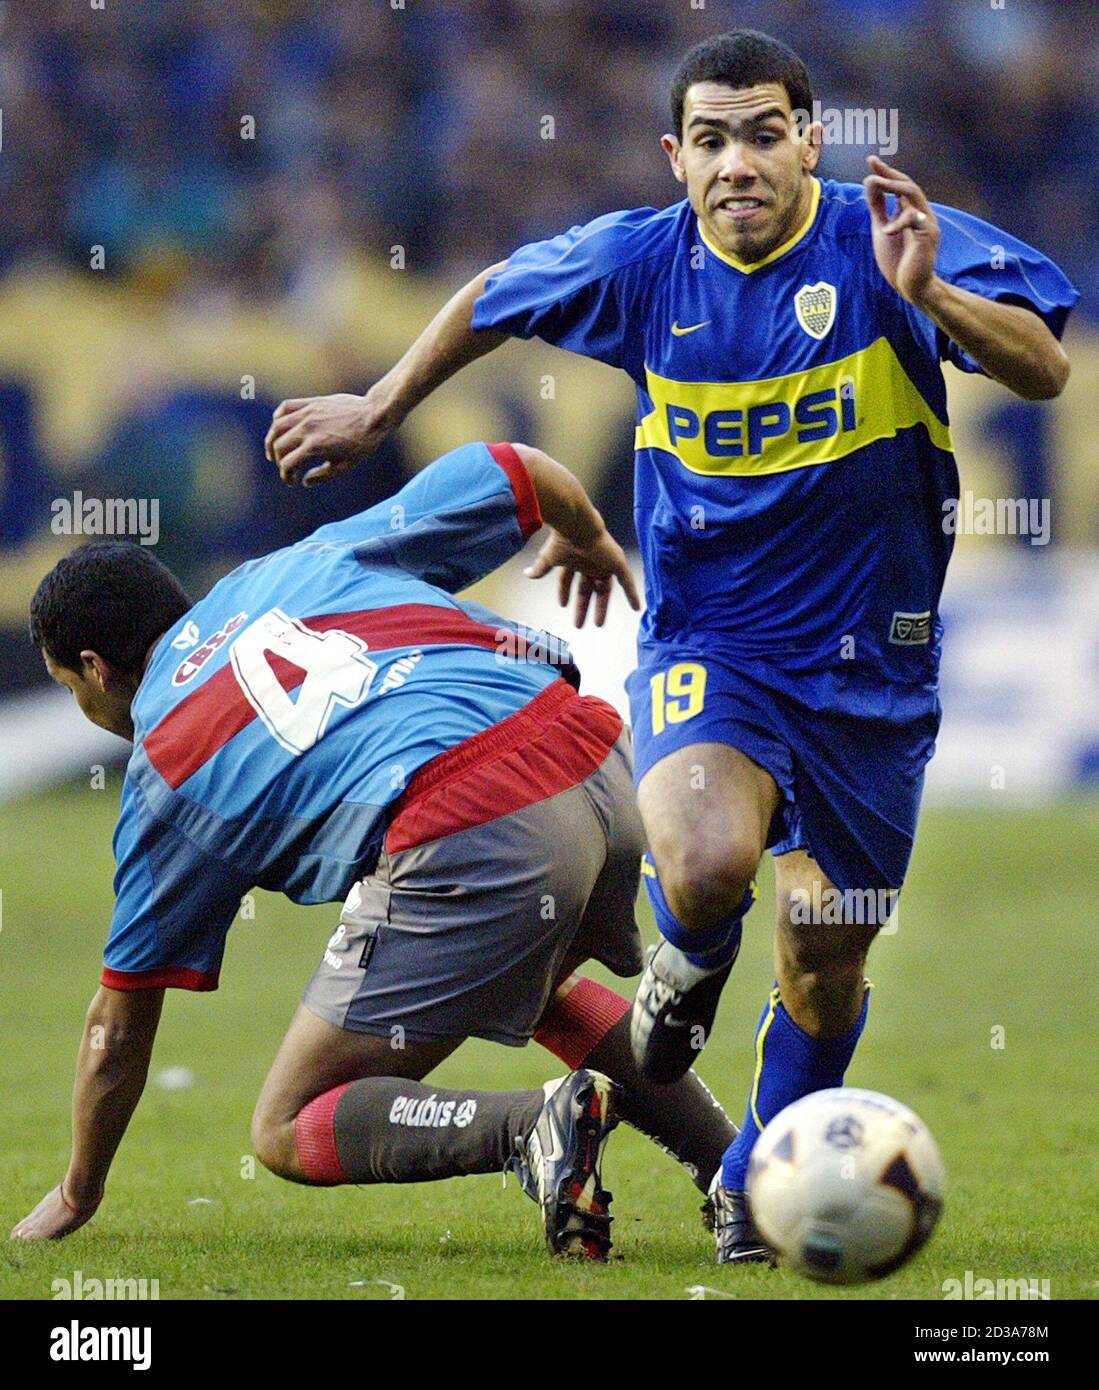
789	1064
709	948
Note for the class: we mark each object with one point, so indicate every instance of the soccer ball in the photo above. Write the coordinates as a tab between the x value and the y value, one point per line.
846	1185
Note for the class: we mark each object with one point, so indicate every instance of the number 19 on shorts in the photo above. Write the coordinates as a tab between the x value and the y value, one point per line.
678	694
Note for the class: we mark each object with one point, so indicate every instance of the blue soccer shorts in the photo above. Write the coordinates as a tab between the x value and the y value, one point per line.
848	755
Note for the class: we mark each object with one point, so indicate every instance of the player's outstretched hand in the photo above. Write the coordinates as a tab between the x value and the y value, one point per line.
597	565
53	1218
906	244
331	433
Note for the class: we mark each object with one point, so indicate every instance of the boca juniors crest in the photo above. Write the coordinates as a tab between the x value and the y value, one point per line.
815	306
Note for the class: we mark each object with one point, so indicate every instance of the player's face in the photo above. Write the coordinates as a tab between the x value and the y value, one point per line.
746	165
103	696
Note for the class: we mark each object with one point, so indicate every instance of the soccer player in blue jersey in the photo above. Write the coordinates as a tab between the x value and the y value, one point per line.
331	722
785	334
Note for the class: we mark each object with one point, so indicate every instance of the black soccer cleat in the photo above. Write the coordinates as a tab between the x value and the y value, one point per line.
738	1241
673	1012
558	1164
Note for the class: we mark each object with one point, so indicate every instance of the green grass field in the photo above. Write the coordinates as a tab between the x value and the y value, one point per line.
997	930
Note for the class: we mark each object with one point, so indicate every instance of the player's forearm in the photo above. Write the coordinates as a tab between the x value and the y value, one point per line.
446	345
561	498
1011	343
110	1076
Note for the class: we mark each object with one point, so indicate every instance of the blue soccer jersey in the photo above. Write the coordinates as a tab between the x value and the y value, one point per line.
285	713
793	446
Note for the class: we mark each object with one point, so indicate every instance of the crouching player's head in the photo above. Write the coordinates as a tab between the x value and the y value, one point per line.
96	616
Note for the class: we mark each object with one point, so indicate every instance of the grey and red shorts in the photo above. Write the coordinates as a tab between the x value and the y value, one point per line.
509	859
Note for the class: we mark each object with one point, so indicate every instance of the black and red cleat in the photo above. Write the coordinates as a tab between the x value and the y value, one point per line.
558	1164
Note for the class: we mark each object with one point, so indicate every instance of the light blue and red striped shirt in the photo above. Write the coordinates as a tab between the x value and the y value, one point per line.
282	718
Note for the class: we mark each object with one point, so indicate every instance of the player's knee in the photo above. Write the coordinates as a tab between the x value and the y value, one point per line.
263	1143
705	881
274	1145
834	953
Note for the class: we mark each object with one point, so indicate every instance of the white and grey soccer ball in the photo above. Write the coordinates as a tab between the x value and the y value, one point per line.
846	1185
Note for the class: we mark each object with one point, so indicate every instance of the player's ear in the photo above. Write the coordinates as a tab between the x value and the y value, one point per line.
95	670
674	150
812	138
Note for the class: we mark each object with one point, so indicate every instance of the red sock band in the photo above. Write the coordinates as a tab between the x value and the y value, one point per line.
315	1132
574	1025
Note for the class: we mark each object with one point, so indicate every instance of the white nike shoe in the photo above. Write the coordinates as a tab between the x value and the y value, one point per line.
673	1012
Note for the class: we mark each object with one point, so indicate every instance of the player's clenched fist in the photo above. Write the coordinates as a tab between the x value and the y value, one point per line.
330	432
905	245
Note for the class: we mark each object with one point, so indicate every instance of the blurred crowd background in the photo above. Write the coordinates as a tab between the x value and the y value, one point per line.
418	124
212	205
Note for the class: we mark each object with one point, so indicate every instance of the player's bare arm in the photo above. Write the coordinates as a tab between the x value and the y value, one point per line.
1010	343
333	433
111	1068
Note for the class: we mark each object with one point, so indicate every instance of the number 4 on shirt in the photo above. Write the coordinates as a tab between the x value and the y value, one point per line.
678	694
336	669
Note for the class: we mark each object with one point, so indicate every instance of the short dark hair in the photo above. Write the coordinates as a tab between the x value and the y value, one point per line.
742	58
110	597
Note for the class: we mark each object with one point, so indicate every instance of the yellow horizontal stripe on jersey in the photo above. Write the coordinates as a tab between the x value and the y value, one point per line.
745	428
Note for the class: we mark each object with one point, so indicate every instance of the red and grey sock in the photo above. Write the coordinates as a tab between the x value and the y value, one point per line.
384	1129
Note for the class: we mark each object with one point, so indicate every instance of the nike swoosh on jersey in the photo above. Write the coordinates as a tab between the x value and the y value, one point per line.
691	328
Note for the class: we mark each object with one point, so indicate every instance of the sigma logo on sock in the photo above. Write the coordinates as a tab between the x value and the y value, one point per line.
429	1113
